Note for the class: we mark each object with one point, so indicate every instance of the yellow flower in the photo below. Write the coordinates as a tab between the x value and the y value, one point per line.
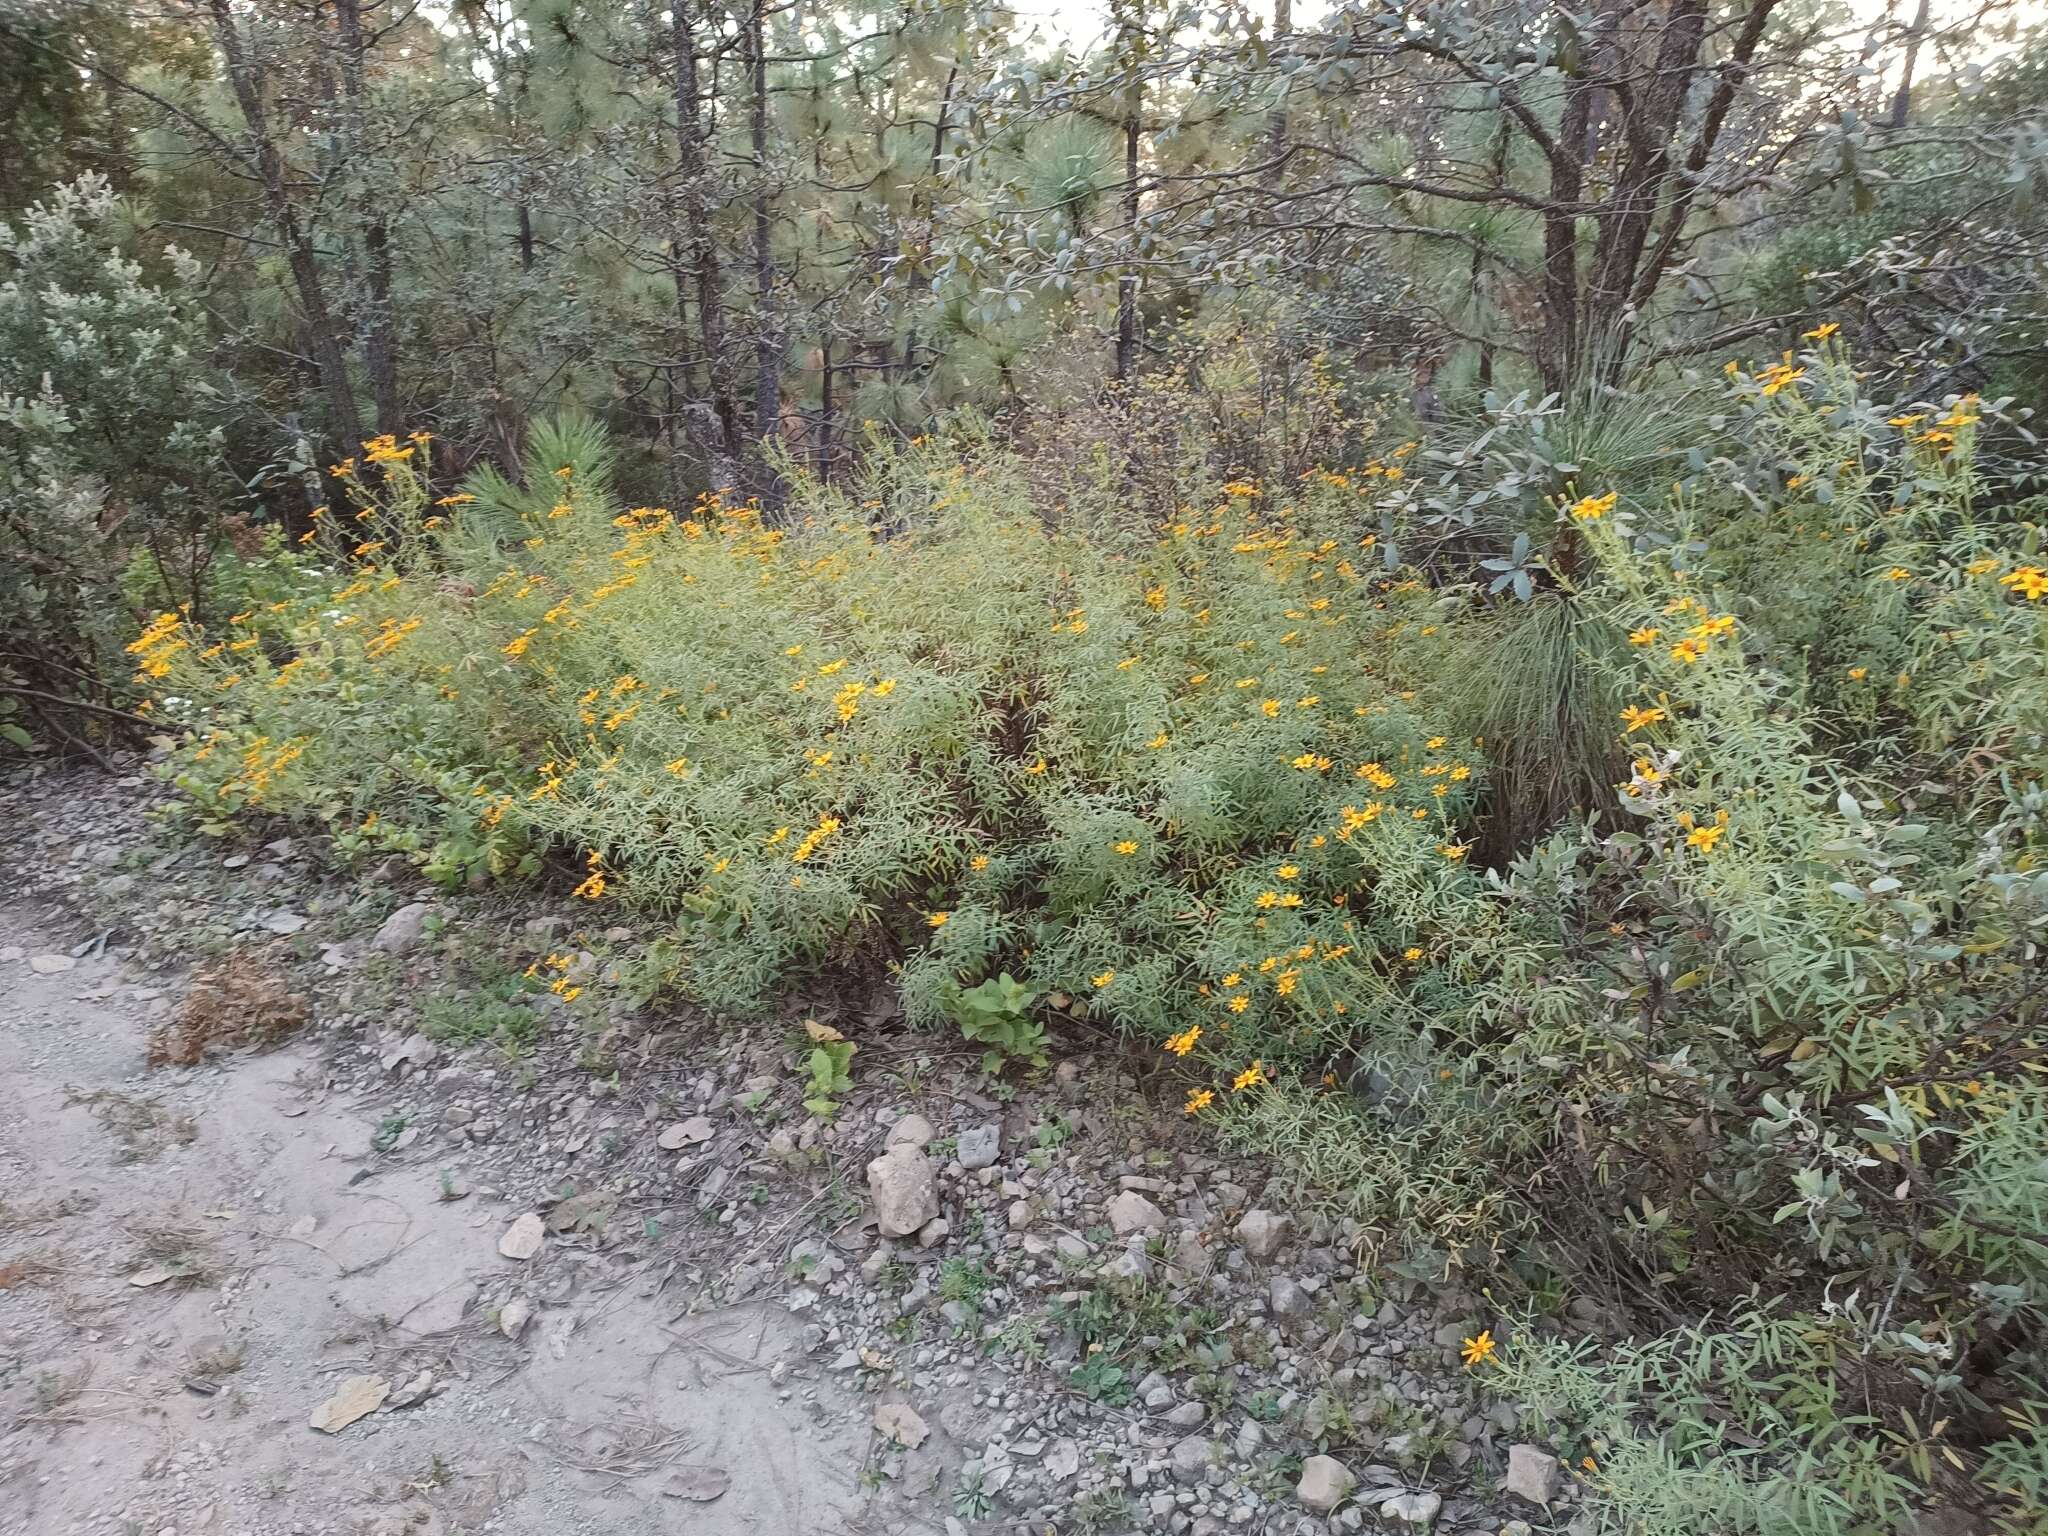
1037	769
1857	674
1704	838
1199	1099
1288	871
1412	952
1269	707
2030	581
1588	509
939	919
1454	851
677	766
1155	598
1267	900
1250	1077
978	863
1291	899
1184	1042
1103	979
1435	743
1478	1351
1239	1003
1820	332
1127	847
1635	719
1898	573
1157	742
1687	652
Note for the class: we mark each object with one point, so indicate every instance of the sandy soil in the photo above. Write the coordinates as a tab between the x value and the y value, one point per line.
286	1260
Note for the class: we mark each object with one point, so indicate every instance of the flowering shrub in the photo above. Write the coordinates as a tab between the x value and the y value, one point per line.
1150	780
1766	1022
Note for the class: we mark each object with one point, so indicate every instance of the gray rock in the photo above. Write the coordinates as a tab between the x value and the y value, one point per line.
1131	1212
1250	1436
1288	1301
1325	1483
910	1131
1187	1416
1261	1233
933	1232
1063	1459
415	1051
685	1133
958	1314
1189	1459
1417	1511
404	928
1532	1474
979	1147
904	1189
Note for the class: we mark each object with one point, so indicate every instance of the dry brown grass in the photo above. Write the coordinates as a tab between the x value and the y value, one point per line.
232	1004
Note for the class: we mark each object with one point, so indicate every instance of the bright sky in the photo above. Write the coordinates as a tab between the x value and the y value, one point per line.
1084	22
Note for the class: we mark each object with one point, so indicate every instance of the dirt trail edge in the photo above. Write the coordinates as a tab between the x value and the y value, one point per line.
196	1263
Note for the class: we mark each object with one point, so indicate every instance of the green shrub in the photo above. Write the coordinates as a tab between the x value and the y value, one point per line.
1759	1020
111	480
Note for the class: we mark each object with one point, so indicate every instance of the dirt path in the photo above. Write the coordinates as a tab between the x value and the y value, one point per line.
286	1260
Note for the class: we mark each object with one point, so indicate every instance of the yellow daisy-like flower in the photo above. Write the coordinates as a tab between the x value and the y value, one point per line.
2030	581
1704	838
1590	509
1288	871
1184	1042
1199	1099
1103	979
1412	952
1636	719
1478	1351
938	919
1239	1003
1250	1077
1126	847
1820	332
1857	674
1898	573
978	863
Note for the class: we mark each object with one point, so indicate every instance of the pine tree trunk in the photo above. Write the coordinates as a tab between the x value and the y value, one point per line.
316	314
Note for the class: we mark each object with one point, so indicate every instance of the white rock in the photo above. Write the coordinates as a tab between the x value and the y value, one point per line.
1532	1473
523	1238
1418	1511
910	1131
1325	1483
50	965
686	1133
899	1422
352	1399
905	1190
1261	1233
514	1316
1131	1212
